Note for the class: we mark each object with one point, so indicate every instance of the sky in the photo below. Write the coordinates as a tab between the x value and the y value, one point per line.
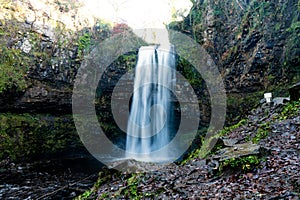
137	14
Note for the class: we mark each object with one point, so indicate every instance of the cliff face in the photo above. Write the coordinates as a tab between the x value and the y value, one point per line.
42	46
255	43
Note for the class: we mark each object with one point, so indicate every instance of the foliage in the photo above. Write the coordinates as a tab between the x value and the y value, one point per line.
102	30
192	23
23	136
129	191
239	104
128	60
294	27
84	43
225	131
262	132
120	28
244	163
256	14
196	16
292	59
196	21
199	152
67	5
229	129
190	73
13	68
290	109
88	37
14	63
132	190
105	176
217	11
85	195
192	155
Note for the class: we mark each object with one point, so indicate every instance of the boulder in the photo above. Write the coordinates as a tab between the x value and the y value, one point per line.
133	166
280	100
237	150
228	142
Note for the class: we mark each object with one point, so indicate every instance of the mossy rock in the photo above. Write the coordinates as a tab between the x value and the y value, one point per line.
27	136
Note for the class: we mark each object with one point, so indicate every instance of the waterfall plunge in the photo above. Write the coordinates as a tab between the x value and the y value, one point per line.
151	114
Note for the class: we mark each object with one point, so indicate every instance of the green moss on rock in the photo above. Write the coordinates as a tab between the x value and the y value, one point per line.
13	68
25	136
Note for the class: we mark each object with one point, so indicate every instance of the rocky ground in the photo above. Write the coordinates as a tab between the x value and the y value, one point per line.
269	170
275	175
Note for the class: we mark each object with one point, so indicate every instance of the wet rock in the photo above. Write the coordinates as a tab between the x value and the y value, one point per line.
262	101
40	98
252	41
280	100
200	163
229	142
132	166
237	151
295	92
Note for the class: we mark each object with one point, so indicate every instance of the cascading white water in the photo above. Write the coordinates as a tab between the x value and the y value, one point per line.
151	114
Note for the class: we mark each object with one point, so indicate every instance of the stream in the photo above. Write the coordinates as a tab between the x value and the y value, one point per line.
48	179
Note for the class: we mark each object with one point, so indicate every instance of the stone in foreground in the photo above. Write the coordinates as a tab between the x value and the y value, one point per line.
237	151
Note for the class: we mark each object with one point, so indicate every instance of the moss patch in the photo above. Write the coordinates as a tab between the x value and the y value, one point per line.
25	136
245	163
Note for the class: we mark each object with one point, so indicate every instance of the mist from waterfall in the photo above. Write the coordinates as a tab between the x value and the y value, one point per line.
151	115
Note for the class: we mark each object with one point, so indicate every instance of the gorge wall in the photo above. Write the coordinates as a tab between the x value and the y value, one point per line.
43	44
255	44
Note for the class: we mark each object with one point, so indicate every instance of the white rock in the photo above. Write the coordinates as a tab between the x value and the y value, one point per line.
26	46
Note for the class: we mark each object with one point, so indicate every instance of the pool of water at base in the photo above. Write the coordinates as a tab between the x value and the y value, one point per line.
48	179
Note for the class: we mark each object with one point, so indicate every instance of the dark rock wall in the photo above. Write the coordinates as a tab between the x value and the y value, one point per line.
48	40
255	43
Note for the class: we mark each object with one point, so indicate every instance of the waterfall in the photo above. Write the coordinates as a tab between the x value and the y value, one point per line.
150	119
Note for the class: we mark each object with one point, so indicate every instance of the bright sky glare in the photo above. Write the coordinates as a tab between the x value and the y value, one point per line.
138	14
